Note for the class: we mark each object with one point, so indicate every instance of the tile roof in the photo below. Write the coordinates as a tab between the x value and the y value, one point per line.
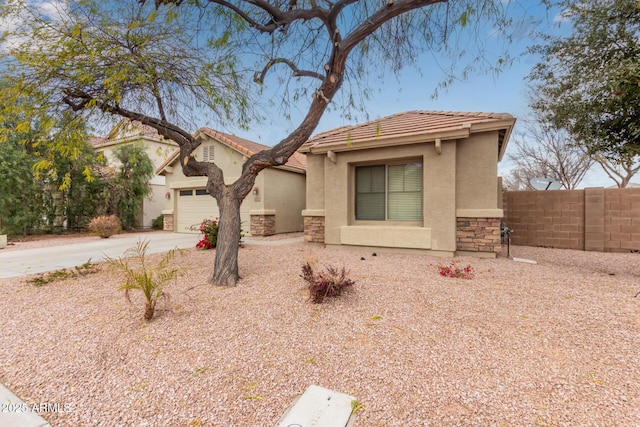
97	141
297	160
244	146
141	131
406	124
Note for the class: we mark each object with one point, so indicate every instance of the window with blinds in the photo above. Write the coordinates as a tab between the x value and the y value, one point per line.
389	192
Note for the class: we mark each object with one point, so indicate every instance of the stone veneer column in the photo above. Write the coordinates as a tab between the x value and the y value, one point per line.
478	235
313	225
167	222
263	225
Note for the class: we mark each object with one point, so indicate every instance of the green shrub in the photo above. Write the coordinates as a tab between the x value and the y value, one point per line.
139	275
158	223
105	226
329	283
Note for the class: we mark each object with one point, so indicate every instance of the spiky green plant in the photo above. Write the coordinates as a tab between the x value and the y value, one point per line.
140	275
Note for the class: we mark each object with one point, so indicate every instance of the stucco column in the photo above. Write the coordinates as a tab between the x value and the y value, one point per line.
440	197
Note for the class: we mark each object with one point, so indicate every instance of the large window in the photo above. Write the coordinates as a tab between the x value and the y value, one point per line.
389	192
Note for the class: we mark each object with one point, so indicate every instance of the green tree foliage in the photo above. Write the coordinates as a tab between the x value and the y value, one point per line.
73	191
16	187
130	185
158	62
589	82
46	169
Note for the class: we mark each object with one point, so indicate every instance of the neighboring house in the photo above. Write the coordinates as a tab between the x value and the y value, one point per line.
274	205
157	148
419	180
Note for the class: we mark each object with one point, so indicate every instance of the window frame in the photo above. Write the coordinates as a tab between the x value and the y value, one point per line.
386	220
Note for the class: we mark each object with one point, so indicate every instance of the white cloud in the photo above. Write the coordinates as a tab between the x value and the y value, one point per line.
52	10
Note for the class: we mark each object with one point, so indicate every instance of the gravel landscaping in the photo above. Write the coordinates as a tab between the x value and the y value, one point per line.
551	344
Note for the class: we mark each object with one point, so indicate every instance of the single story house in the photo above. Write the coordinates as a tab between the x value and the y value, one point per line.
274	205
158	149
419	180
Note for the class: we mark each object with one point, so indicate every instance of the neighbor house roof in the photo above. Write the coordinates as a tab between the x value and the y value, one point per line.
243	146
141	132
412	127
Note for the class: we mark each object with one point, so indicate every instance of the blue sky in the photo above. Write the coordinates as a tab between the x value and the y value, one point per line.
413	89
503	93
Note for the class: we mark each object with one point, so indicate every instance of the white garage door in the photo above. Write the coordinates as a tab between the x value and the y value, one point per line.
195	205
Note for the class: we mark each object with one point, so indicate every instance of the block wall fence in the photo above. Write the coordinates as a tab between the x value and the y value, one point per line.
593	219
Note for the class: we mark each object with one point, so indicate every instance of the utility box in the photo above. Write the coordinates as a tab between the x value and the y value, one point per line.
320	407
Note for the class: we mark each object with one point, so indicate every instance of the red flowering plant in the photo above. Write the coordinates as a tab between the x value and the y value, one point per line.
209	230
456	271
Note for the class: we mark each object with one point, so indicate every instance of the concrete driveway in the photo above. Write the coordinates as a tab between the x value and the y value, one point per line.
38	260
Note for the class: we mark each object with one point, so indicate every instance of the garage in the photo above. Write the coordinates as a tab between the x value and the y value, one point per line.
273	205
195	205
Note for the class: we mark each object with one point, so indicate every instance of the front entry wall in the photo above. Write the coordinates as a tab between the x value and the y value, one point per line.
390	237
434	232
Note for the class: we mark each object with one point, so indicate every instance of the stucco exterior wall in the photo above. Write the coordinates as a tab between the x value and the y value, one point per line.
277	192
435	232
477	172
230	161
459	181
153	205
284	193
315	182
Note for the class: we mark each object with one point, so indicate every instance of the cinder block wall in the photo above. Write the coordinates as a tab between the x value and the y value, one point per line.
594	219
622	219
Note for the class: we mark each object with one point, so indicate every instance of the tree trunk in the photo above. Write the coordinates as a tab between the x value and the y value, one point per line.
225	269
149	310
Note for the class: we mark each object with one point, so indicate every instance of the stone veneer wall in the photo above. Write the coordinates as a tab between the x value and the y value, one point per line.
263	225
478	235
167	222
314	229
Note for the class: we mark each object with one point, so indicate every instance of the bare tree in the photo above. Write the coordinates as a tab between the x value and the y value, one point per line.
548	153
620	172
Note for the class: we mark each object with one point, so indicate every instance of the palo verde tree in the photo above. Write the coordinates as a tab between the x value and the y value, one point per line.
157	61
589	82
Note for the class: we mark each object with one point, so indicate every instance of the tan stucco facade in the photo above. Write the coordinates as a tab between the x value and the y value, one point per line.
158	150
278	195
459	181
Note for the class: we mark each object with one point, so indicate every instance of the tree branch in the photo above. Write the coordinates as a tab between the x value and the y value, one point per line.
184	139
259	78
383	15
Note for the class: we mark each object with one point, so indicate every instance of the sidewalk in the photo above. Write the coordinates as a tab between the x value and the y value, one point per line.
21	262
15	413
50	258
